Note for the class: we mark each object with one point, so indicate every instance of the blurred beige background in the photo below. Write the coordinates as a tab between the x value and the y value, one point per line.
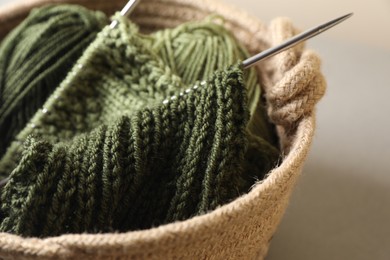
340	207
370	24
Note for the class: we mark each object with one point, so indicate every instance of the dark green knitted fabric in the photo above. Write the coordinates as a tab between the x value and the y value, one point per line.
124	144
36	57
159	165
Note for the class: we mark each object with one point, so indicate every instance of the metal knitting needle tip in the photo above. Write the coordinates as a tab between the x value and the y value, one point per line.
129	7
294	41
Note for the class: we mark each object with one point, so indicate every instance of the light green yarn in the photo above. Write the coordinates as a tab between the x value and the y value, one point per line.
195	50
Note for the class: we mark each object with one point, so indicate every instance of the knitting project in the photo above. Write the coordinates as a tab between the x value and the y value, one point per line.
124	144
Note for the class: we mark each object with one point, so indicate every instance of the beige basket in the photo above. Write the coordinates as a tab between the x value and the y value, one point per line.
243	228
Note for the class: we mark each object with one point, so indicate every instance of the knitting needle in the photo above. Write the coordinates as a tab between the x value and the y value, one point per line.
293	41
129	7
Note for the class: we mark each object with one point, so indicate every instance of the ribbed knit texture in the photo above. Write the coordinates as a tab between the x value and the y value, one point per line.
107	154
159	165
36	57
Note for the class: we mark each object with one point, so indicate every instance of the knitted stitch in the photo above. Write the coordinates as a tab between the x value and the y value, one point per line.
110	155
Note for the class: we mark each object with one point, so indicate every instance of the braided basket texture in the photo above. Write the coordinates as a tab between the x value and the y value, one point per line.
242	229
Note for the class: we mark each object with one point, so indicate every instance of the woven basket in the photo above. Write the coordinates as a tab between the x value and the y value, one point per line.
243	228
